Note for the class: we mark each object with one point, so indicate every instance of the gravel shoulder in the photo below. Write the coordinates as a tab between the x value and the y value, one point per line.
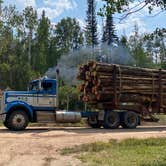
40	146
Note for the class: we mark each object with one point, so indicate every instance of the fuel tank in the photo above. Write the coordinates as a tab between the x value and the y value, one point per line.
68	117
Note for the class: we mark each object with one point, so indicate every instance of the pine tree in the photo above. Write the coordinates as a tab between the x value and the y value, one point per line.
1	7
69	35
30	19
42	44
91	25
123	40
109	37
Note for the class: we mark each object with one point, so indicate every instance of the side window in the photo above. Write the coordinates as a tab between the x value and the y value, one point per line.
34	86
47	86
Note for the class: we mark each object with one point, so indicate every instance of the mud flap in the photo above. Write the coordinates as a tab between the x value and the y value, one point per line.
101	115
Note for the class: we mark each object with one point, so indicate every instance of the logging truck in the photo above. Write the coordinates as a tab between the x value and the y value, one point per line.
117	96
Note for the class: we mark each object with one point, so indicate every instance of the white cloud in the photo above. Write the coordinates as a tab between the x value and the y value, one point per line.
100	1
50	13
99	30
21	4
55	8
81	23
129	24
66	4
138	18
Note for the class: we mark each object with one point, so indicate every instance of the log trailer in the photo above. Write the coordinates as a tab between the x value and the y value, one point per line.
106	88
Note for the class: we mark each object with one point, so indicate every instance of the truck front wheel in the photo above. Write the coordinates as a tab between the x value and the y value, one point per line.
130	120
17	120
111	120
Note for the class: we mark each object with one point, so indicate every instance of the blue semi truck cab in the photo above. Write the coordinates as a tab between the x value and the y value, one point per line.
38	104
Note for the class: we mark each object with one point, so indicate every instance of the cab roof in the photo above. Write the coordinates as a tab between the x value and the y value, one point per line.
46	79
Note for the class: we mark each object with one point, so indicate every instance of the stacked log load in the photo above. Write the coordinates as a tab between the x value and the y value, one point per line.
108	85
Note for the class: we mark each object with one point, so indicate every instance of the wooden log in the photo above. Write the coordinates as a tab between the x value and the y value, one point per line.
103	68
103	82
132	84
129	70
81	87
138	69
137	98
105	97
97	74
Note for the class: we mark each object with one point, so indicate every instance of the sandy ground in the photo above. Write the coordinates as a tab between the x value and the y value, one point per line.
40	146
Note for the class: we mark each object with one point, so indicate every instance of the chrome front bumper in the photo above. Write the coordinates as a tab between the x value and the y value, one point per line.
2	117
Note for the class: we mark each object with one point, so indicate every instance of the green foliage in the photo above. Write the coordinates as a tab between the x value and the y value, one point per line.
113	6
30	21
163	65
144	152
138	50
28	46
123	40
4	68
91	35
123	6
140	56
41	48
69	98
68	35
21	75
109	37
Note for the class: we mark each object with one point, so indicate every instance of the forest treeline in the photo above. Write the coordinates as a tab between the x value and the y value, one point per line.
30	44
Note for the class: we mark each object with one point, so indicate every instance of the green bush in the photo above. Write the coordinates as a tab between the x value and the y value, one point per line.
69	98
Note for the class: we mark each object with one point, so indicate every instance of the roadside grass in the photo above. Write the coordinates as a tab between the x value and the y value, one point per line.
162	119
129	152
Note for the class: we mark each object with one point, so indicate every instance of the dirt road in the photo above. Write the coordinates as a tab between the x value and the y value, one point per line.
40	146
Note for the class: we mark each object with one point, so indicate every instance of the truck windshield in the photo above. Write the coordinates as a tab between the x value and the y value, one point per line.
34	86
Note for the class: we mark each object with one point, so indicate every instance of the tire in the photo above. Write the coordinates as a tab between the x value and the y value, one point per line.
17	120
93	122
111	120
130	120
6	124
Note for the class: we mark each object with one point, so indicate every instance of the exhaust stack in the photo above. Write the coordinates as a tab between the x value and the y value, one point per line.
57	88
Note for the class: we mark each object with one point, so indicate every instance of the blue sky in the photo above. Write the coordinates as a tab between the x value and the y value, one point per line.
58	9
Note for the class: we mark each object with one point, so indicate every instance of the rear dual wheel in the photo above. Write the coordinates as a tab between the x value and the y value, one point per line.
111	120
130	120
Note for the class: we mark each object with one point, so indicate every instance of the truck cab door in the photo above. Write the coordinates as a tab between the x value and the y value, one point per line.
47	96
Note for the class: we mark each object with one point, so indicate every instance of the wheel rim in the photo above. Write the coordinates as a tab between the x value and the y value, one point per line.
18	120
